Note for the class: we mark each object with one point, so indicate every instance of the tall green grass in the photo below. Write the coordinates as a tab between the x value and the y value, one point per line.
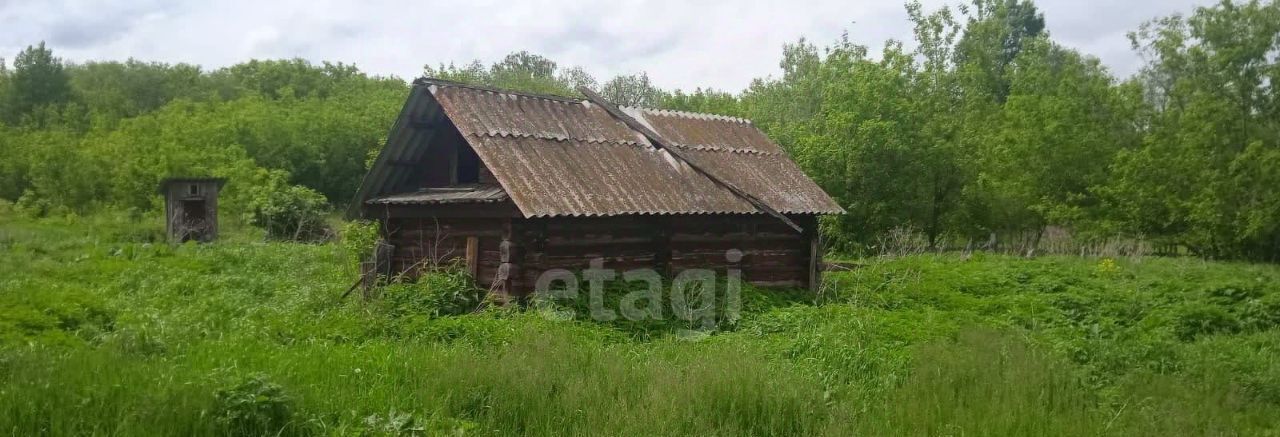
105	330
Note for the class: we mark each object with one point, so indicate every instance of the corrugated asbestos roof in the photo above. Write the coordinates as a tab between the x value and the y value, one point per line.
556	156
456	194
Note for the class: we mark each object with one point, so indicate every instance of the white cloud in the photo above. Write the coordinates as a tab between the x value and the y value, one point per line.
722	44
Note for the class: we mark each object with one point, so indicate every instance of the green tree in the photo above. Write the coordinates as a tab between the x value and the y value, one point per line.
779	105
473	72
173	121
993	37
4	91
290	78
945	153
12	167
881	136
1205	175
1055	137
522	71
529	72
703	100
632	90
116	90
38	80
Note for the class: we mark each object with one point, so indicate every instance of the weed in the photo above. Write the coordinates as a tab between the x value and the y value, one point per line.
254	406
105	333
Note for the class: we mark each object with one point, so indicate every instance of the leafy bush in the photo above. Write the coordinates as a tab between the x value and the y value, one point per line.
1261	314
54	317
441	292
358	239
1233	294
1198	320
254	407
294	212
32	205
404	424
706	308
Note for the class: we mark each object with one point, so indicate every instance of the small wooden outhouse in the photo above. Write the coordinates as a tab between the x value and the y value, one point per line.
191	208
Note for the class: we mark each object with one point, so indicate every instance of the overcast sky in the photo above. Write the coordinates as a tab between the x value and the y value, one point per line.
681	44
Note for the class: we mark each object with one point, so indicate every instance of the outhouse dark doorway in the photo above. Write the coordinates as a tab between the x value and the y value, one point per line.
191	208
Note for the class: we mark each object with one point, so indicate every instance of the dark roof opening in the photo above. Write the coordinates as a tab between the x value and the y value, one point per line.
468	171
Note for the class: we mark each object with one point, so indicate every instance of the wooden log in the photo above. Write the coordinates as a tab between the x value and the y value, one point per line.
628	249
778	284
506	272
473	256
505	250
446	231
815	262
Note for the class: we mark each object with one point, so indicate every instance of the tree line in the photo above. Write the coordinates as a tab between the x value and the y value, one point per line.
980	128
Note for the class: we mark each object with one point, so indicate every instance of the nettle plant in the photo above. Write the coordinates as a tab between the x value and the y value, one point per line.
255	406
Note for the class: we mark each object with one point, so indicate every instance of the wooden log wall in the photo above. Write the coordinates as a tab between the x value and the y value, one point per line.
772	254
427	242
623	243
514	252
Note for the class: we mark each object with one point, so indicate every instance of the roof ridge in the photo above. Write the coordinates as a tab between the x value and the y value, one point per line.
690	114
557	138
455	84
707	148
573	100
562	138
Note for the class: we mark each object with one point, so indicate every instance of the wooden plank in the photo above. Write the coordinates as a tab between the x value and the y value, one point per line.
777	284
494	210
380	267
506	251
815	262
509	255
660	142
445	234
661	228
596	240
473	256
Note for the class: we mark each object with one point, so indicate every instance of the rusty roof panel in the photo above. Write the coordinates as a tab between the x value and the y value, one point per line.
548	177
486	112
557	156
707	132
773	178
552	177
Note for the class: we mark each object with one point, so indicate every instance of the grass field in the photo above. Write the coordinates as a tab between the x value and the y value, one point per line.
105	330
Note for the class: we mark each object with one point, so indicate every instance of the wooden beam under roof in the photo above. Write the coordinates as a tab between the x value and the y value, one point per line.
385	172
658	141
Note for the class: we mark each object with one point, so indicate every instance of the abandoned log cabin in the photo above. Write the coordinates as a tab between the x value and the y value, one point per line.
513	184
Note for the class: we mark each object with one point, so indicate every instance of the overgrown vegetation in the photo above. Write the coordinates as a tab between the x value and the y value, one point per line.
294	213
986	133
106	330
